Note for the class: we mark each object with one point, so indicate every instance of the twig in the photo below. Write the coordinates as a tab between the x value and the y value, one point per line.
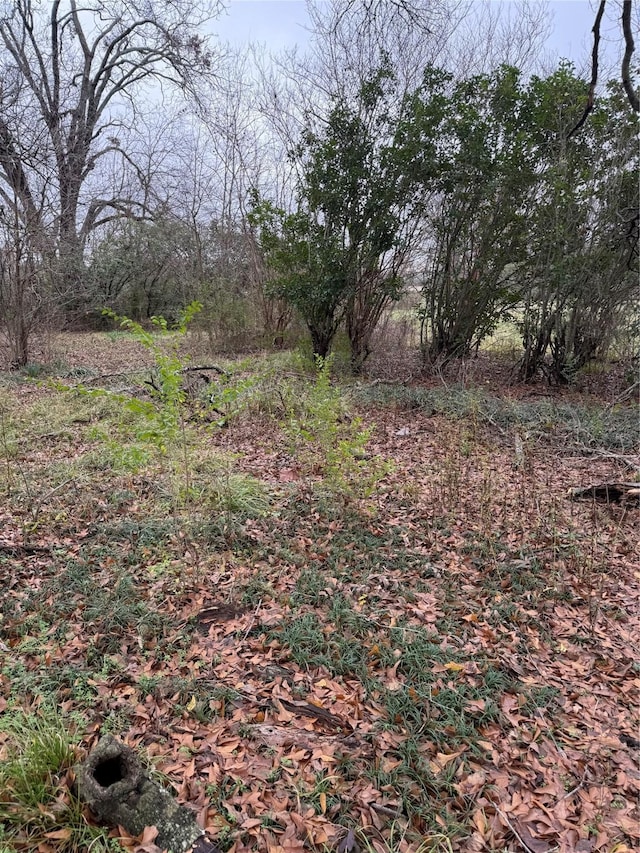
493	423
23	550
45	435
606	454
574	790
214	367
628	392
36	508
253	620
514	830
91	379
385	810
56	489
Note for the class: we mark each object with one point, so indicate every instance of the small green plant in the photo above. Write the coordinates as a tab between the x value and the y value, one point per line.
34	370
240	494
115	454
164	416
328	441
159	422
399	836
230	395
115	336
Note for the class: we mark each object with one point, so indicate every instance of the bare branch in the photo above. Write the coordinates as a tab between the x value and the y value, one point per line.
594	70
632	95
16	176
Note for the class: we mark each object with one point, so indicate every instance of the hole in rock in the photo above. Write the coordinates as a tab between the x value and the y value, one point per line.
110	771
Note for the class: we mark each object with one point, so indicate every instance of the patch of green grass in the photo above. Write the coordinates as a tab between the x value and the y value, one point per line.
346	620
232	493
222	532
116	455
36	804
616	428
321	796
310	588
540	697
219	795
150	532
40	370
442	698
113	610
52	683
58	410
311	646
430	698
350	549
400	835
117	335
257	589
422	795
90	595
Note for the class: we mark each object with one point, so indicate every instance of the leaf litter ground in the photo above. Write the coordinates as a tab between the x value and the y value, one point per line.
448	664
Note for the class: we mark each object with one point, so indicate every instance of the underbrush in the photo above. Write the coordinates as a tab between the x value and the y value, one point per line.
384	636
615	428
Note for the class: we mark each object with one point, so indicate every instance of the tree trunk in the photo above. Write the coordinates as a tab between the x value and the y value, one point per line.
19	337
321	339
117	790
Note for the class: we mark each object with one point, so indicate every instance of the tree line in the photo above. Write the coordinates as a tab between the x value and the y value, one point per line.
141	168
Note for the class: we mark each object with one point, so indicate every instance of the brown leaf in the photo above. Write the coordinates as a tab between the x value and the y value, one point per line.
535	845
348	843
59	834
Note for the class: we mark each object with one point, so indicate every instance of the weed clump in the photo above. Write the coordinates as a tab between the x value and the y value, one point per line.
37	752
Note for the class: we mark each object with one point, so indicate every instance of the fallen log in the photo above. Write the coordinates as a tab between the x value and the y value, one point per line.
622	493
114	785
286	737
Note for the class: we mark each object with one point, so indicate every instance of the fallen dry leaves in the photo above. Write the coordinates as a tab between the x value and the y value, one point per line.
280	756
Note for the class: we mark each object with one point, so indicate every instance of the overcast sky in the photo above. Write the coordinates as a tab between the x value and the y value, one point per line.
281	23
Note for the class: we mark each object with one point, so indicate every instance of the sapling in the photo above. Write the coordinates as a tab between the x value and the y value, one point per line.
329	442
164	413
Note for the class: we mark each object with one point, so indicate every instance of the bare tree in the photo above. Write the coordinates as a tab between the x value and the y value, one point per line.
351	39
20	298
494	34
72	83
464	38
